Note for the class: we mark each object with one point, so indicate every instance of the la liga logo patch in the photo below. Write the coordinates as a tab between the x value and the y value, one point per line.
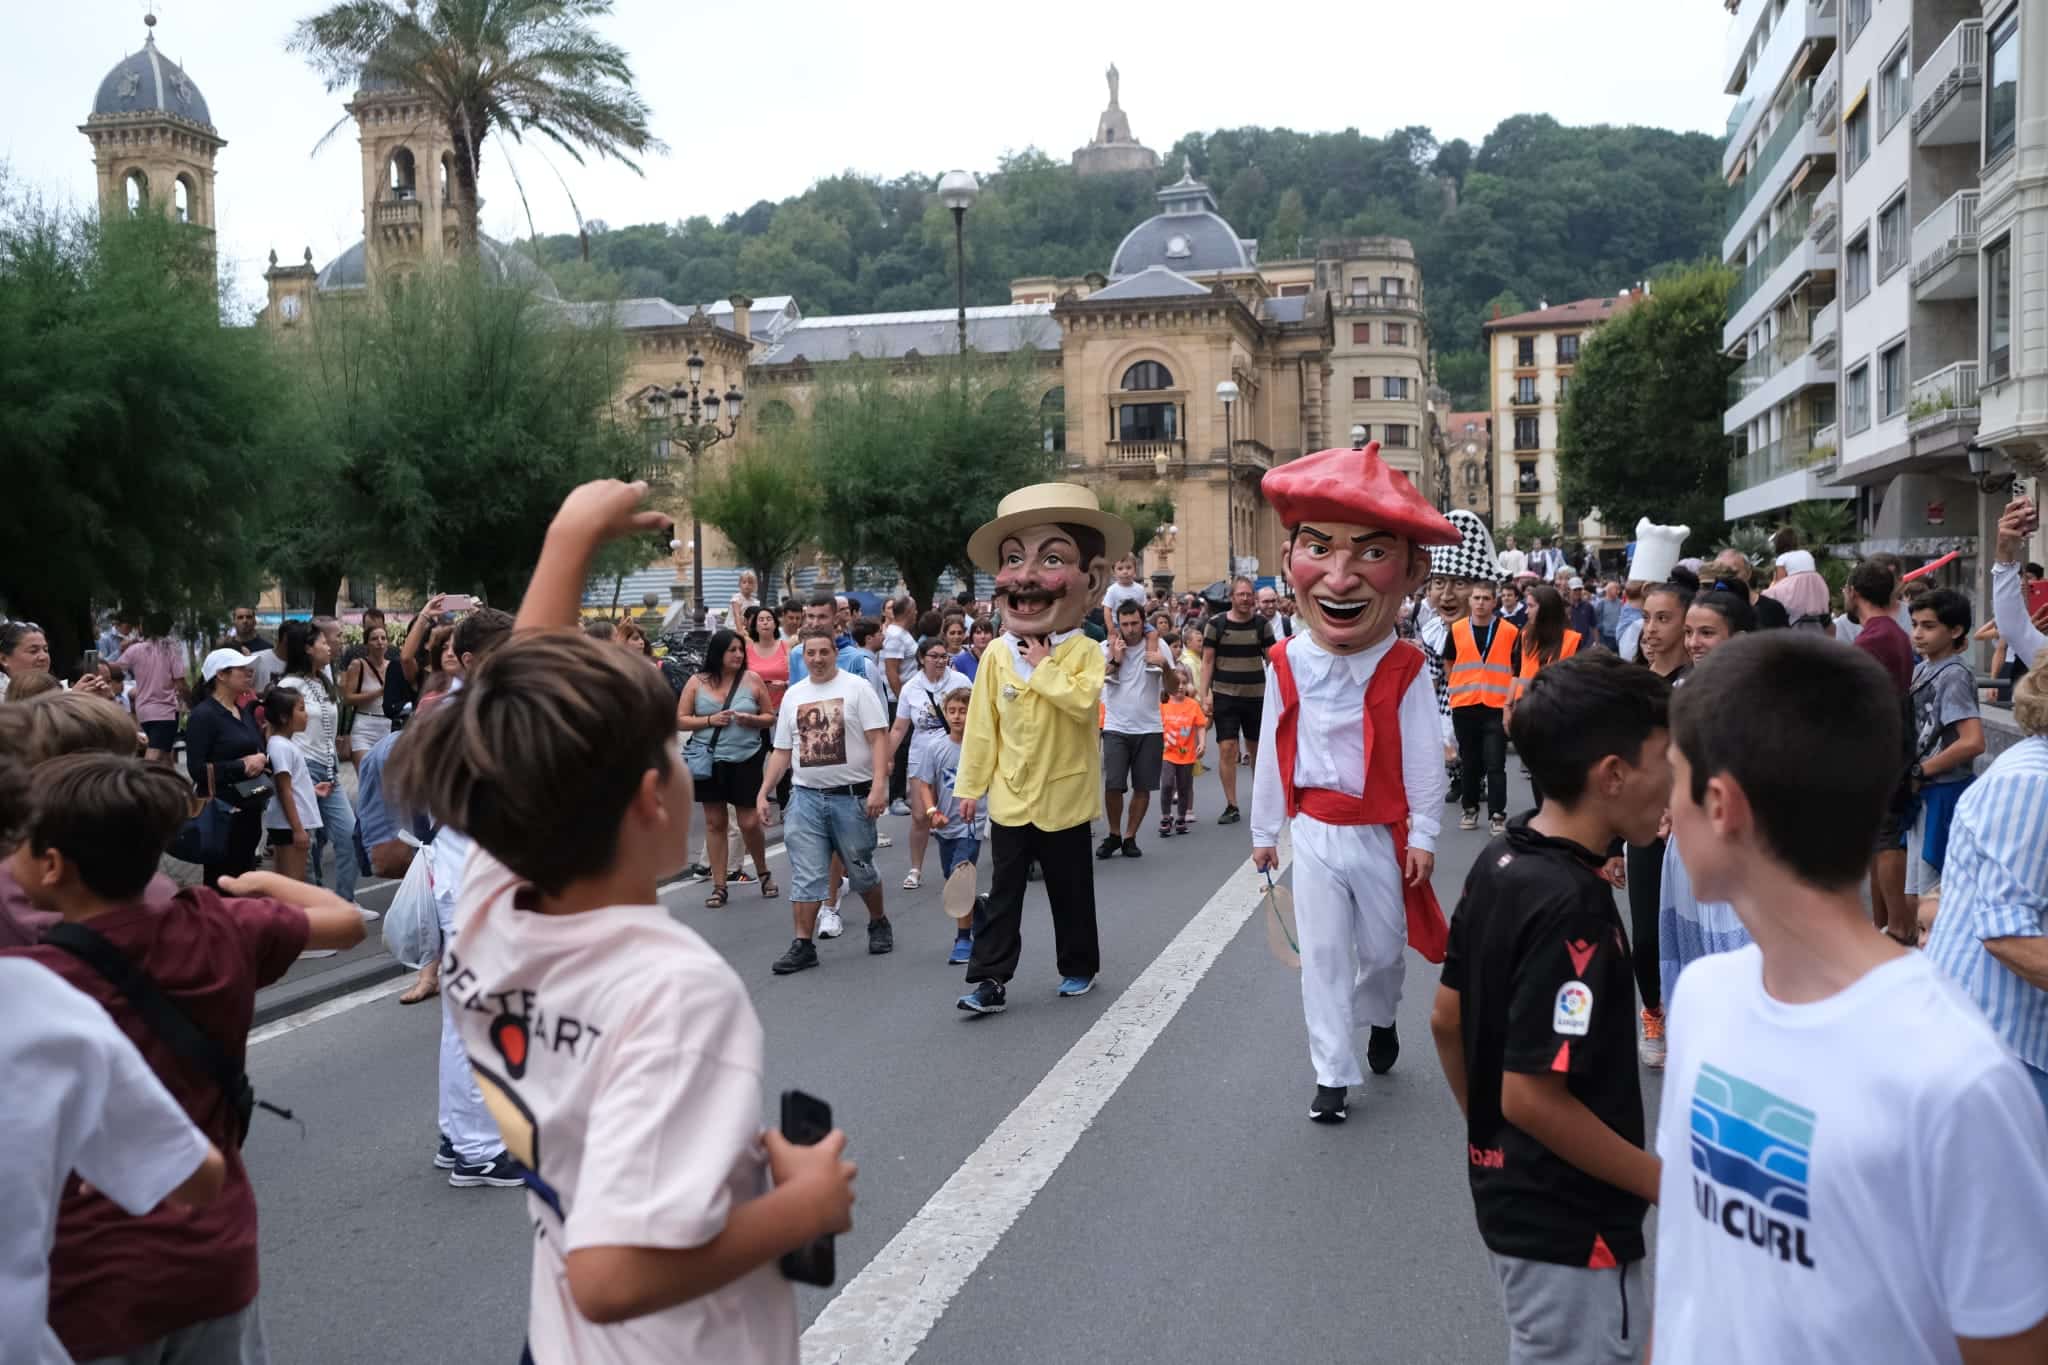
1573	1015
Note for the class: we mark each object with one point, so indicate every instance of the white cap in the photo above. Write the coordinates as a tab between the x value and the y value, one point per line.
1657	550
224	658
1576	582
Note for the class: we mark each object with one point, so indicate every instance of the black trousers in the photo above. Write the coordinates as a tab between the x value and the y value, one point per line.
899	765
1645	887
1063	855
244	835
1482	757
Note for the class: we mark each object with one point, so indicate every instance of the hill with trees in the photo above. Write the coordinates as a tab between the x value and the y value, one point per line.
1536	211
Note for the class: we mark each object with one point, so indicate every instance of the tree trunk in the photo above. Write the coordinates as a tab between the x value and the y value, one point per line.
467	138
326	592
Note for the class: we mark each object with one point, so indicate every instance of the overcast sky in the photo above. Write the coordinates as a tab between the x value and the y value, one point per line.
757	102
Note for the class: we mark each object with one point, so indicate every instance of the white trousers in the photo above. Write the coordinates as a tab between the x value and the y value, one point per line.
1353	928
461	1113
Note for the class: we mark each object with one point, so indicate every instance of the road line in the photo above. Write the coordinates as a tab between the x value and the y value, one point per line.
885	1312
341	1004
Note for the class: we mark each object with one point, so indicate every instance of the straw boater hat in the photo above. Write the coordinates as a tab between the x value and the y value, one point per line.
1656	551
1040	503
1472	557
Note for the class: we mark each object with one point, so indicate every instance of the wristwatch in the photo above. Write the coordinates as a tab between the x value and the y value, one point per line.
1917	773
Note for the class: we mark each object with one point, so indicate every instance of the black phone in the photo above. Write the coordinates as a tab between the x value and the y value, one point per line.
806	1120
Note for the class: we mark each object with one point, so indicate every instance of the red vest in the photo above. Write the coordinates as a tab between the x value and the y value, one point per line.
1385	801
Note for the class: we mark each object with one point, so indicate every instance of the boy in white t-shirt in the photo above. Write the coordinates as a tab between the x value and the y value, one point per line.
618	1052
1854	1168
1127	588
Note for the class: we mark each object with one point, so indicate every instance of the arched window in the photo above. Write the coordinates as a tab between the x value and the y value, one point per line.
400	169
135	187
1052	418
774	415
1147	375
447	175
181	195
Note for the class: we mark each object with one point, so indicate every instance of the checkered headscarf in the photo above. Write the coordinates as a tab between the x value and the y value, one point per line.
1471	558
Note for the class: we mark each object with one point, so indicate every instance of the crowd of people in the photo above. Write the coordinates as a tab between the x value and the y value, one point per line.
1833	945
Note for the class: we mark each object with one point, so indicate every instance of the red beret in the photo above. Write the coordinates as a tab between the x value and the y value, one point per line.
1357	487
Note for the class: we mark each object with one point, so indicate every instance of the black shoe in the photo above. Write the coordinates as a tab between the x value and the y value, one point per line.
1108	847
881	938
697	871
1381	1049
987	997
1229	816
1330	1105
445	1158
802	953
1131	849
501	1171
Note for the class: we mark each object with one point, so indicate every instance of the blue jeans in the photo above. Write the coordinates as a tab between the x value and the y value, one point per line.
337	832
953	852
815	827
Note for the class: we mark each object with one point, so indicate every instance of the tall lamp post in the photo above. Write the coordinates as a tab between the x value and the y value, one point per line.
956	191
695	426
1227	391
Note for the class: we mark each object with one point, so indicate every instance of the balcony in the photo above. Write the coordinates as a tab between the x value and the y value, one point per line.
396	215
1773	376
1949	89
1791	234
1787	471
1791	125
1827	95
1524	398
1259	455
1825	327
1380	303
1949	395
1826	223
1945	250
1146	452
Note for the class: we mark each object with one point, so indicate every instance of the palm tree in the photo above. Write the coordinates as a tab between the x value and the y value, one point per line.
508	66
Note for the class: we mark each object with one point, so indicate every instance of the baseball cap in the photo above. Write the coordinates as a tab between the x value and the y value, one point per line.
1576	583
224	658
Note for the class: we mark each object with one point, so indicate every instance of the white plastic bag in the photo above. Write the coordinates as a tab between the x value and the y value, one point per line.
412	927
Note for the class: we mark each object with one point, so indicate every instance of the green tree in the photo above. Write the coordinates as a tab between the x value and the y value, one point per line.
1145	516
766	502
1526	530
515	67
141	445
1641	435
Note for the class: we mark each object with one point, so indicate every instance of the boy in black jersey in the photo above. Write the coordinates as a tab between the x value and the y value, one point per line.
1535	1020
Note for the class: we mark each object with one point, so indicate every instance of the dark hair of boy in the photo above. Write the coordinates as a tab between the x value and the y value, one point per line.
1734	609
1792	702
822	599
61	723
480	632
1578	711
813	633
1874	583
278	705
1950	608
540	753
601	628
110	817
963	695
864	630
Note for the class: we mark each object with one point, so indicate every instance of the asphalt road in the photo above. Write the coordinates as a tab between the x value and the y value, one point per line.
1196	1215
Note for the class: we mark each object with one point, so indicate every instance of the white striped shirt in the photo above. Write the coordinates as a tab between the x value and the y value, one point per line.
1994	884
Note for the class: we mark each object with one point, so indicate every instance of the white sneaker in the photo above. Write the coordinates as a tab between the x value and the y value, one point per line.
829	925
899	807
884	841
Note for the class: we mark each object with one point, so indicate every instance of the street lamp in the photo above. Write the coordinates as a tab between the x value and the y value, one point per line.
1227	391
697	428
956	191
1358	435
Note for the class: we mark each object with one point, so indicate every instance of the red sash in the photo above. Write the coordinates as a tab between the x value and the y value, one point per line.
1385	801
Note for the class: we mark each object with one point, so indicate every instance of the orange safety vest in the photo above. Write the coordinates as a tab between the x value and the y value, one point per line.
1476	681
1531	665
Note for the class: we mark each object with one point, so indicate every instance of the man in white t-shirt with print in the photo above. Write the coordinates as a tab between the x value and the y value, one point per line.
833	735
1133	736
1853	1168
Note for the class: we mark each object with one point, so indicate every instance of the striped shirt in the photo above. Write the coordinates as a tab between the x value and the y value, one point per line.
1994	884
1240	655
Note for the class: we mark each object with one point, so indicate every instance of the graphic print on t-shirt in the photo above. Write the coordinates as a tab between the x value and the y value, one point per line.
1750	1154
821	733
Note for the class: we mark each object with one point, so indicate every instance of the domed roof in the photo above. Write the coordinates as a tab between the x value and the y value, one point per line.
350	270
1186	235
147	82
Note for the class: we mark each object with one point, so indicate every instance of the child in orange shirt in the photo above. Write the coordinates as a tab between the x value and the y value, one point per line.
1186	730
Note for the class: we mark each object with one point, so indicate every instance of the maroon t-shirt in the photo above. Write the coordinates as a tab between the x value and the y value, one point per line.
1882	639
119	1282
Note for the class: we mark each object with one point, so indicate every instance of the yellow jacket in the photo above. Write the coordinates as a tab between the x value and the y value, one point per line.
1032	744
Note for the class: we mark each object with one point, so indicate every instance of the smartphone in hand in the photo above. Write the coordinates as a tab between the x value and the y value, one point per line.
458	601
2037	598
806	1120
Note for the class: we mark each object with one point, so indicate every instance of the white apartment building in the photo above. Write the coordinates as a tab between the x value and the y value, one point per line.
1902	392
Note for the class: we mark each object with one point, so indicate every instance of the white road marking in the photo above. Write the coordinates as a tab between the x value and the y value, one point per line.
341	1004
884	1313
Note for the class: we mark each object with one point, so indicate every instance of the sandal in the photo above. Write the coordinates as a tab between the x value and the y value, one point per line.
769	890
425	988
913	881
716	900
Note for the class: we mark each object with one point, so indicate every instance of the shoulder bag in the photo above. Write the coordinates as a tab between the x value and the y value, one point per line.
697	753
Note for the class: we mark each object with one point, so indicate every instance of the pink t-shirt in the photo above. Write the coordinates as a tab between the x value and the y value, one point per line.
621	1057
157	666
773	667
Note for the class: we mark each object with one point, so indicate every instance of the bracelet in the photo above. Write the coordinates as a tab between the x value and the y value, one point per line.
930	811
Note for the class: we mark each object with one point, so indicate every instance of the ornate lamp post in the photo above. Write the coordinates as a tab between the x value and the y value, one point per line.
956	191
1358	434
1227	391
694	417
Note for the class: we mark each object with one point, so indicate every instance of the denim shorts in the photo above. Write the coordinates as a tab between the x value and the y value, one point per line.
814	828
953	852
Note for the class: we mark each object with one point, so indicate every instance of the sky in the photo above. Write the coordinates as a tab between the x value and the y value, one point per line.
758	102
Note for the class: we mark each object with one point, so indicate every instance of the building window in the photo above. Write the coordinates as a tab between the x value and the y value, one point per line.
1396	333
1361	334
362	590
1392	387
1147	375
1526	478
297	596
1391	286
1525	433
1856	393
1294	291
1856	139
1891	237
1525	351
1856	269
1052	418
1361	386
1568	349
1998	311
2002	86
1397	434
1894	90
1891	380
1525	389
1526	510
1564	386
1147	422
1858	20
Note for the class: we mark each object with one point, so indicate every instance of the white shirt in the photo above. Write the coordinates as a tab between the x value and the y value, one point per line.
897	644
921	701
287	759
1860	1178
1512	562
79	1097
1118	594
1018	663
267	669
622	1060
2009	612
323	719
825	728
1329	739
1130	690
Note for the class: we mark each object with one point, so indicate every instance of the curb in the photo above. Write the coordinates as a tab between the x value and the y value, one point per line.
281	1001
